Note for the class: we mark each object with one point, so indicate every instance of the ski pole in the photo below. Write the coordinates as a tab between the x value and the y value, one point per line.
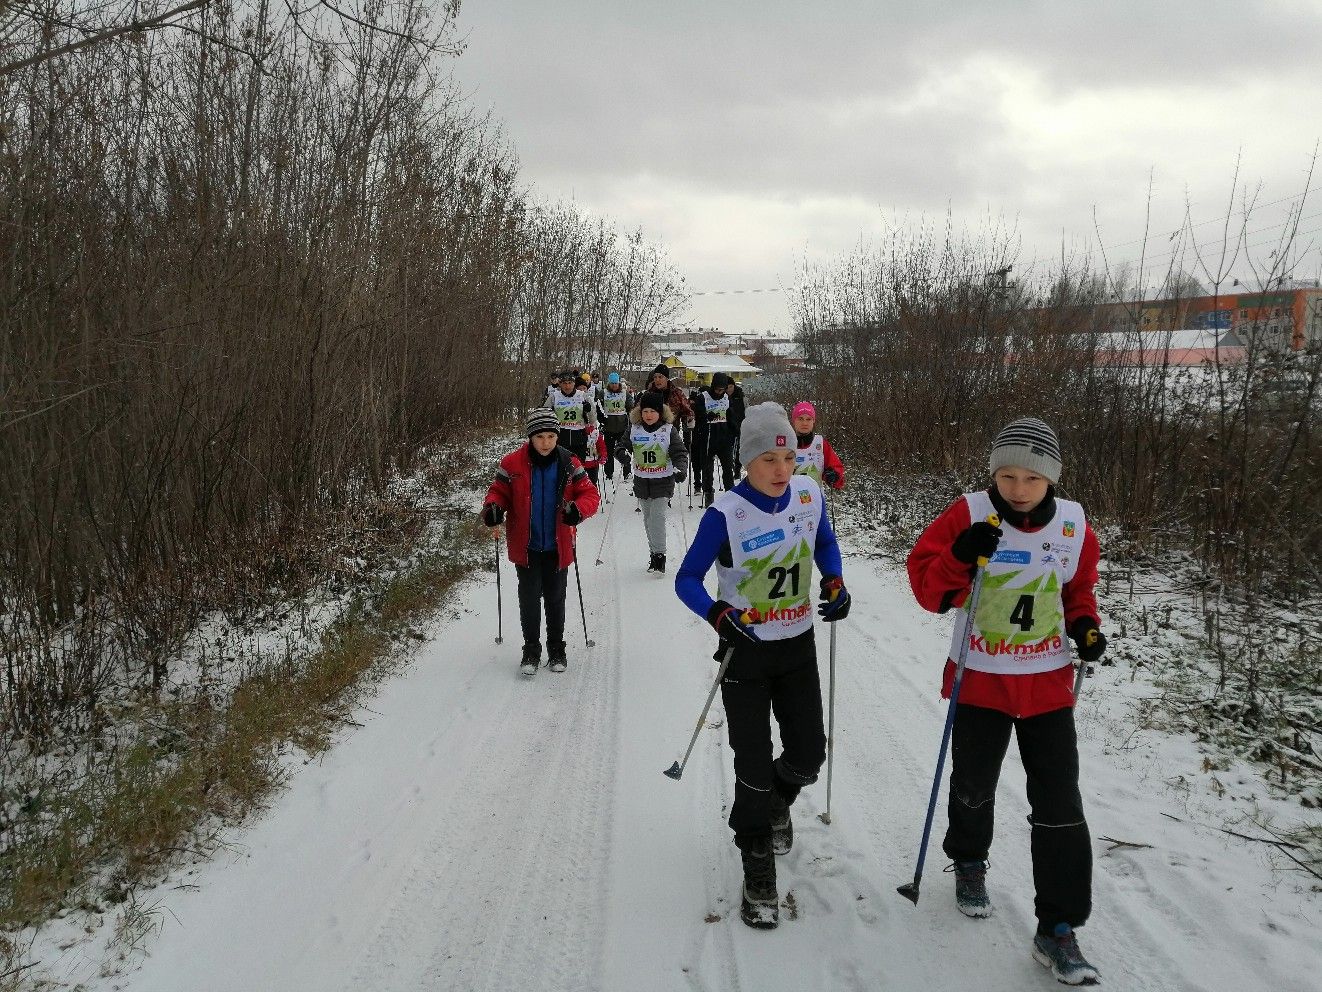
830	733
578	578
1089	639
689	475
500	631
910	889
676	770
605	530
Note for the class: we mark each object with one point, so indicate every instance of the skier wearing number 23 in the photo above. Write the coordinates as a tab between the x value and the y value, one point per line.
763	536
1037	595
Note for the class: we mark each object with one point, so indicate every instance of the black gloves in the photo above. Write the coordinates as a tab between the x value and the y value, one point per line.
1088	639
978	541
835	599
831	477
731	625
492	515
571	516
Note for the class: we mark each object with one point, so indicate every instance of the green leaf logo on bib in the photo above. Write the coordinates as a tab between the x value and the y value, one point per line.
1021	619
777	588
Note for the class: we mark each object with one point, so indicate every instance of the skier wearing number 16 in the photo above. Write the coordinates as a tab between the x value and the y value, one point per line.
1037	594
763	536
655	448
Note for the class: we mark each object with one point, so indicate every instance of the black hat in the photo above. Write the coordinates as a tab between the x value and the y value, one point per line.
720	380
662	369
652	401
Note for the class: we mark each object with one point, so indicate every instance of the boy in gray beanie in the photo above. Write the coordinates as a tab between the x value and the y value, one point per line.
764	537
1039	556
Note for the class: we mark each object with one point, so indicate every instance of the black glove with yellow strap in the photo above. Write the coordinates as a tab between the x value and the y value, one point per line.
733	626
1088	639
977	543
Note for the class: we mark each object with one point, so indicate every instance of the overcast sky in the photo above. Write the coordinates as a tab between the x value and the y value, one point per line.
744	135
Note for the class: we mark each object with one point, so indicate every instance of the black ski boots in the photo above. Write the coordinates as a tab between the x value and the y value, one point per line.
557	661
760	908
532	657
782	827
657	563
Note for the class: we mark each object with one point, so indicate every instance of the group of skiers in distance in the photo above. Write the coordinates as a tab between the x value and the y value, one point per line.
1009	668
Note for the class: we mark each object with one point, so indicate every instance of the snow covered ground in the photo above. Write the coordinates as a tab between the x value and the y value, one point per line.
481	832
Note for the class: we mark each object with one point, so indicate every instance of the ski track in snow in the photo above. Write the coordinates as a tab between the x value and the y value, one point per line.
483	832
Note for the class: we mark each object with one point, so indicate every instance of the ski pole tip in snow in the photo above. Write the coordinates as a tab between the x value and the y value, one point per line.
674	771
910	891
825	818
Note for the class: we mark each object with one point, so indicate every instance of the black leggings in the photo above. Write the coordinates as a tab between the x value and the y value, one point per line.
1061	848
542	579
773	677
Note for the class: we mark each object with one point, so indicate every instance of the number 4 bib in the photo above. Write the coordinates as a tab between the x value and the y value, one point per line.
1020	625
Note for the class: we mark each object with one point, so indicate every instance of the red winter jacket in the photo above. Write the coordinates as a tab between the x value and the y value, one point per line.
830	460
512	492
941	581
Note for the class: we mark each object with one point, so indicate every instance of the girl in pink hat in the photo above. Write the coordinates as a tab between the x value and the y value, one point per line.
815	456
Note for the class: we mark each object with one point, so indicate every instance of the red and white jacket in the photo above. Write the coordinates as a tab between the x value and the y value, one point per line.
941	581
512	492
596	448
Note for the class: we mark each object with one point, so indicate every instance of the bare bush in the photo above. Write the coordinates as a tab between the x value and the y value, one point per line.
249	266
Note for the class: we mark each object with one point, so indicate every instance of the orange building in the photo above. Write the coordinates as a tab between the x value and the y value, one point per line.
1286	318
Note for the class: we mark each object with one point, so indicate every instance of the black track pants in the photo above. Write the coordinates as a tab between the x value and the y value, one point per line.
1061	848
542	579
780	678
612	442
721	452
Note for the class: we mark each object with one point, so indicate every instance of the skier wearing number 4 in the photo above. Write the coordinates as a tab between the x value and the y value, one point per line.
1037	591
541	493
763	536
656	449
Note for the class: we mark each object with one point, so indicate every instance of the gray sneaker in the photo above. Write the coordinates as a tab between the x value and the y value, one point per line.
971	888
1060	952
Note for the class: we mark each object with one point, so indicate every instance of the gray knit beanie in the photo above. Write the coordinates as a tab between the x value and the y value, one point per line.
766	428
541	419
1027	443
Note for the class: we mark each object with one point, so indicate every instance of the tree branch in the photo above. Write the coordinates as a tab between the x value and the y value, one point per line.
106	35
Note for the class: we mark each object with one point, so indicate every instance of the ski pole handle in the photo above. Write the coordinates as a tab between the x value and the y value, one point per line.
995	521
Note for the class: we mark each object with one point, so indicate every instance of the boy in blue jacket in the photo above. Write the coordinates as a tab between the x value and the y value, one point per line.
763	536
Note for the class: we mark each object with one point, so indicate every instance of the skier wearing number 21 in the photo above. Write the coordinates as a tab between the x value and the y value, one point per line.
1040	568
763	536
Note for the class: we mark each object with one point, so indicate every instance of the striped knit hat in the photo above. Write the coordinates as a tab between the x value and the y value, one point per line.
1027	443
541	419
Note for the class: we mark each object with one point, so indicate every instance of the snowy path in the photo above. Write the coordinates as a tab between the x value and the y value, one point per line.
481	832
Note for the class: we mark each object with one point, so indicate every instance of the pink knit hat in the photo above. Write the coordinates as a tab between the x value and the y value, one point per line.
804	408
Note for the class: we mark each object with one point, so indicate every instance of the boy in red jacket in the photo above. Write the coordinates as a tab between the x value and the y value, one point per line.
545	493
1037	591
